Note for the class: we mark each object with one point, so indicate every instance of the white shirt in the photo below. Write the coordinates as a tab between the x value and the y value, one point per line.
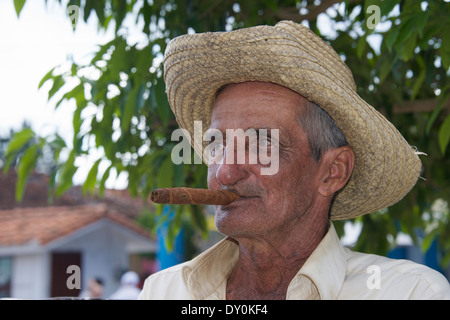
126	292
331	272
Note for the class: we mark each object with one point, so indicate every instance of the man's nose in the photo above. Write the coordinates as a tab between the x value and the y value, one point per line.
230	170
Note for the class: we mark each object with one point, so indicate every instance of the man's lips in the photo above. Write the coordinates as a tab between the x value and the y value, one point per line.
237	202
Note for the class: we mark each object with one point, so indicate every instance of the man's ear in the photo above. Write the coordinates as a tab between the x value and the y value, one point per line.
336	166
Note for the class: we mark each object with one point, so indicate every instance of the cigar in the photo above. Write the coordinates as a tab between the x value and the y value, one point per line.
192	196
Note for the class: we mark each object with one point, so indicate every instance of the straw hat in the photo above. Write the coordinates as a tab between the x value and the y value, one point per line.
291	55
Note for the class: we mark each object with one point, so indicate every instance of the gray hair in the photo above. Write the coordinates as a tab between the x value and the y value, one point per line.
322	132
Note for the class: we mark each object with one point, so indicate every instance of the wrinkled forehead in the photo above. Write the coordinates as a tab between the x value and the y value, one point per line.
260	102
263	88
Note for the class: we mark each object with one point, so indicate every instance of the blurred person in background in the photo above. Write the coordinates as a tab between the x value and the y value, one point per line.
94	290
128	289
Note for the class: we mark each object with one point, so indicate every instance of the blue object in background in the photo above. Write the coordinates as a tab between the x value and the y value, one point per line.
432	255
413	253
166	258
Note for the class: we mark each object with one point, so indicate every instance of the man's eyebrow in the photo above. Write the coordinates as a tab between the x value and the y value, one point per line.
281	134
245	129
257	129
269	131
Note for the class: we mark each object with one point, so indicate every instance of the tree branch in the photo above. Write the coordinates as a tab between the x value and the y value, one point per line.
313	11
424	105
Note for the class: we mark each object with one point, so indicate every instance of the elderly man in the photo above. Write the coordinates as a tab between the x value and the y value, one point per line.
338	159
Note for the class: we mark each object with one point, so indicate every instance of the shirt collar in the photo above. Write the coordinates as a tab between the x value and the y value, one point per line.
325	268
206	275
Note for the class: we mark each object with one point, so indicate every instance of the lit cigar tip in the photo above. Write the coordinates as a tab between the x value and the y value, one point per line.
159	196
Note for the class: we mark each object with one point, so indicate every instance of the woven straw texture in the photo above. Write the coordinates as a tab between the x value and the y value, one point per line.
291	55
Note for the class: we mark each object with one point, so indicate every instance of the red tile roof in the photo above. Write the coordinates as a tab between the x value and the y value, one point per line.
37	195
44	224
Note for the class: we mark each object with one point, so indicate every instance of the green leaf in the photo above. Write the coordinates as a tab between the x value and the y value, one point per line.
158	211
105	177
392	37
118	58
407	30
139	100
387	6
162	104
199	219
178	219
179	174
91	179
46	78
9	160
171	234
51	186
19	140
421	20
385	68
427	241
57	144
444	134
361	46
77	92
88	7
128	110
119	7
26	164
99	55
58	82
77	121
66	173
445	47
407	48
18	5
420	79
434	115
165	173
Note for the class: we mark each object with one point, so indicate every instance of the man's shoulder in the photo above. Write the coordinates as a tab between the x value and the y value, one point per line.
385	278
166	284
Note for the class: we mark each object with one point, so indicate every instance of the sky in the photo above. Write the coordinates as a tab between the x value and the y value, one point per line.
30	46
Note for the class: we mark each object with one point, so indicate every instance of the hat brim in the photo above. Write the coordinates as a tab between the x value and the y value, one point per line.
197	66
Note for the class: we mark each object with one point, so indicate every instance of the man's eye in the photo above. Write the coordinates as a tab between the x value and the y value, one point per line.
217	149
264	142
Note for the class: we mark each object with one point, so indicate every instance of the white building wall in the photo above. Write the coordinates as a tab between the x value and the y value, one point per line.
30	276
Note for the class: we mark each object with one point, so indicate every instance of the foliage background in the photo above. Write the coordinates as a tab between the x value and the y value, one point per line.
401	67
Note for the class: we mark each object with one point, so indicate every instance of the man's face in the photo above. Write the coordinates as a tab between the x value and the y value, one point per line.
270	204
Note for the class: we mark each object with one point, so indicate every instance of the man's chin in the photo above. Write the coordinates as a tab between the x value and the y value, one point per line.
231	220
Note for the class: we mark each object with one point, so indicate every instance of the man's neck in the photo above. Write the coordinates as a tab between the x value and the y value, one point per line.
266	266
